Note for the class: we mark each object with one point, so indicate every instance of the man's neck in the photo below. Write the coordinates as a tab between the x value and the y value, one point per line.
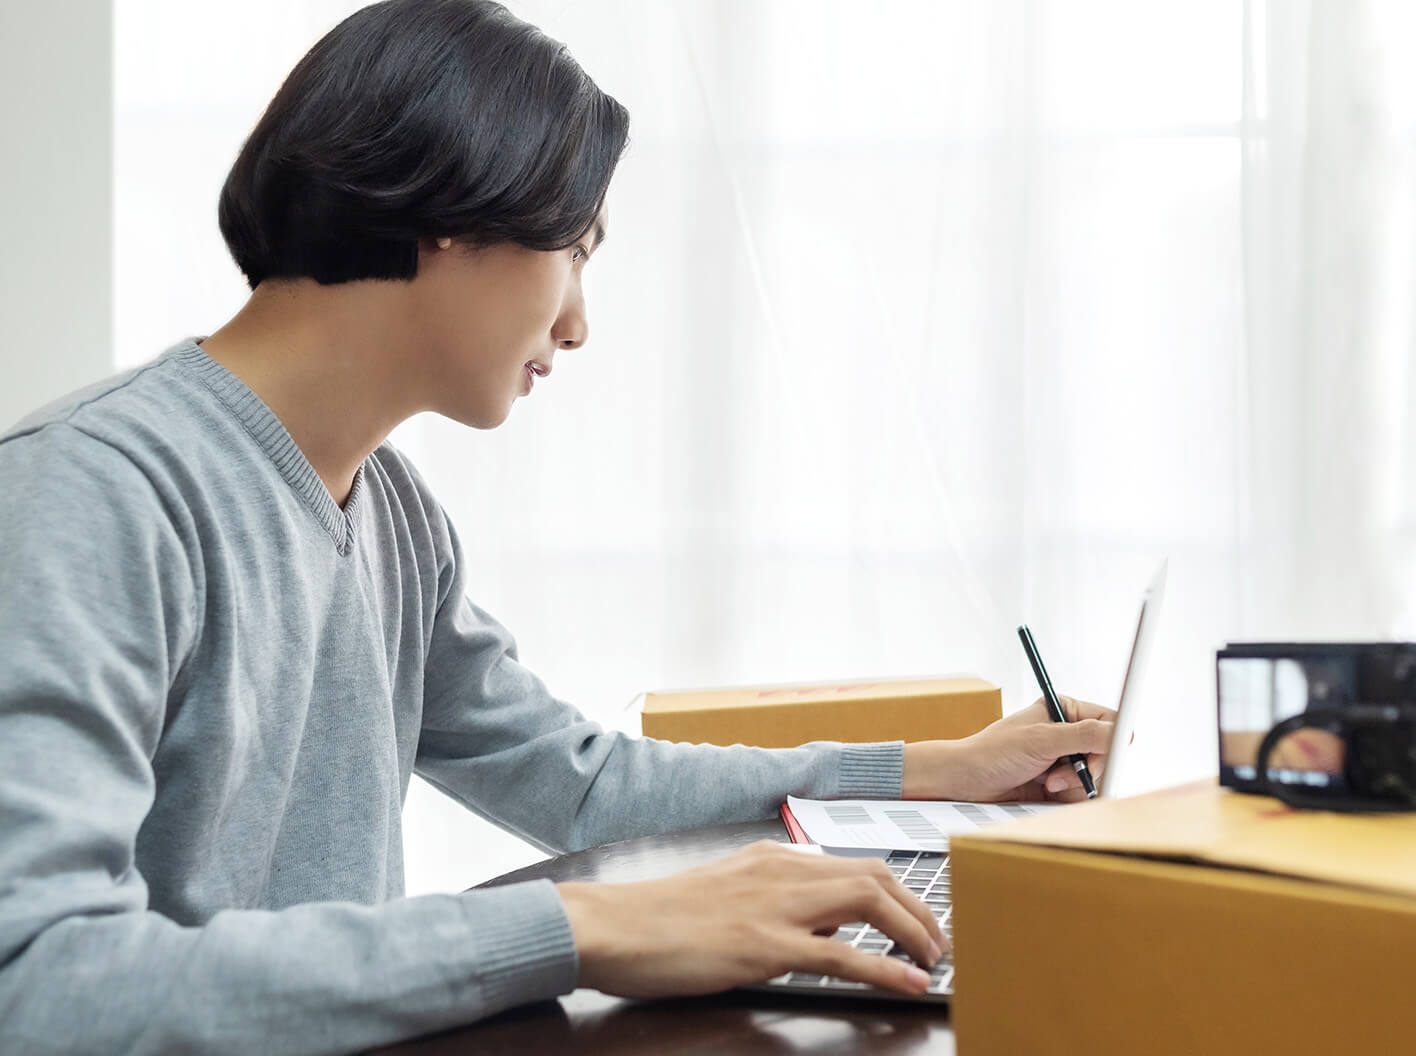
324	359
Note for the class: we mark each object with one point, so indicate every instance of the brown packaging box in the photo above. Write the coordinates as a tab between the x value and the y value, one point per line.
786	716
1192	920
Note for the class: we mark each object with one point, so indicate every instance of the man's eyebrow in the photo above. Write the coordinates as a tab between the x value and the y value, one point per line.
599	235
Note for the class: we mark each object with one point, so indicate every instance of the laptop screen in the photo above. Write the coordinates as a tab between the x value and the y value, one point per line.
1128	708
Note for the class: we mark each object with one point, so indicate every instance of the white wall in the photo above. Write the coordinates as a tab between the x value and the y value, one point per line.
56	200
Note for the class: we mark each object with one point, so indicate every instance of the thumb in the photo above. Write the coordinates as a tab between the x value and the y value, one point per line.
1089	736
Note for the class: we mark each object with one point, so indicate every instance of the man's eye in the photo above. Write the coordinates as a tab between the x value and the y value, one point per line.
579	253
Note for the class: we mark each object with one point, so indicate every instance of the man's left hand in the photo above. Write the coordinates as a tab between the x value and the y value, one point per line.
1022	756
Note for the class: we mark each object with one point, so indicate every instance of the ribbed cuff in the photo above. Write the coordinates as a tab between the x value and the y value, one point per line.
524	947
872	771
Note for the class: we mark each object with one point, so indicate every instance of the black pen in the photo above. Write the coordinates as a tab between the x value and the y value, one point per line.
1054	706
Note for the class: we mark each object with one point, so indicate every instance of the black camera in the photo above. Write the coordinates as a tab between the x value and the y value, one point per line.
1320	724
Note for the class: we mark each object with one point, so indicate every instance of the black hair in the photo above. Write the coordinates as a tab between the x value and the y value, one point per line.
420	118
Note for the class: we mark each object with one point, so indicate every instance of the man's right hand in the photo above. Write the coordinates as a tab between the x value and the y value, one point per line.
756	914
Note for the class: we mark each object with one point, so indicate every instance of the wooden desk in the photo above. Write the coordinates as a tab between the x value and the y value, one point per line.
588	1021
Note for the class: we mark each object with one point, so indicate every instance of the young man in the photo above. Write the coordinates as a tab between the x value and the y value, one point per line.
234	624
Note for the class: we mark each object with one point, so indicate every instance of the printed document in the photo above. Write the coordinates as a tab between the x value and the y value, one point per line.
912	825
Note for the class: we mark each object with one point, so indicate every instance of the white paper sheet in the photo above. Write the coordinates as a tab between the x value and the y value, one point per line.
915	825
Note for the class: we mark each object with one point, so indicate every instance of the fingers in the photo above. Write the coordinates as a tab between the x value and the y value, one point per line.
1088	731
829	891
1077	710
876	871
1062	776
1086	736
841	900
829	957
912	904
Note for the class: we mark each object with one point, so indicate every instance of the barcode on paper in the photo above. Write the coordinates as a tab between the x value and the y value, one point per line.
974	814
849	814
918	828
1018	810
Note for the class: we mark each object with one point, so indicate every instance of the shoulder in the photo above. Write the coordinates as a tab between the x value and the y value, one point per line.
398	476
57	458
84	530
109	456
127	396
408	493
72	496
147	416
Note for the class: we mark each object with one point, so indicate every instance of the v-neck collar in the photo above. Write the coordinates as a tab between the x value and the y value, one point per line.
267	431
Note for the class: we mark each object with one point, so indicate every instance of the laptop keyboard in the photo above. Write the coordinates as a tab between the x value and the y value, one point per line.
924	873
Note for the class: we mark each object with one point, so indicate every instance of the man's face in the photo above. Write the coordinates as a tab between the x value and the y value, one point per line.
490	321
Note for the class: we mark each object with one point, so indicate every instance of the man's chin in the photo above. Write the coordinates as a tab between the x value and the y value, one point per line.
475	417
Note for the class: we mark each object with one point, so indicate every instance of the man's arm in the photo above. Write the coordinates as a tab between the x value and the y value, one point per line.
496	739
99	603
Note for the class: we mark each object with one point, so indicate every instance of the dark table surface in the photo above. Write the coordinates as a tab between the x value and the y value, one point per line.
588	1021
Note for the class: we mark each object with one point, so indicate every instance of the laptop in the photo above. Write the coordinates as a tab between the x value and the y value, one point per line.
926	873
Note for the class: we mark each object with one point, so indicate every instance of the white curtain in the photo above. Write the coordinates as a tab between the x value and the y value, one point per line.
1329	505
917	320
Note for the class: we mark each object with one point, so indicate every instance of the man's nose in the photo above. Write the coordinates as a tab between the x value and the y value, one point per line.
571	329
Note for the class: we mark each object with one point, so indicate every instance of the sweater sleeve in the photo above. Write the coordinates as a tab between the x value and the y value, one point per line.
99	603
494	738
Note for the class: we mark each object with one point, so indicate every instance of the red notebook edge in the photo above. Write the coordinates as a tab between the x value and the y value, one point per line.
794	829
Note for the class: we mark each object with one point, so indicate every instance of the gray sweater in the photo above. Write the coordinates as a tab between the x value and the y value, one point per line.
215	684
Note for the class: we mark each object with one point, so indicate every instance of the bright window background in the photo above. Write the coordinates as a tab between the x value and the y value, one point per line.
917	320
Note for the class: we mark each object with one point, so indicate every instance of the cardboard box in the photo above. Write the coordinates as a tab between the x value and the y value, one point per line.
1192	920
786	716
